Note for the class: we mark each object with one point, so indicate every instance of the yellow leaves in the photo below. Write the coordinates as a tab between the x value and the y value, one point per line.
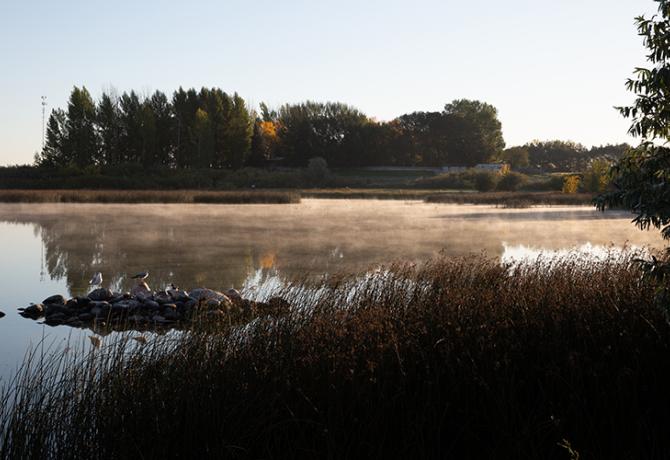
571	184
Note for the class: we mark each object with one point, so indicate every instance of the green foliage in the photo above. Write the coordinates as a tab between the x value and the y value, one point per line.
517	157
317	171
596	178
485	181
512	182
314	129
641	180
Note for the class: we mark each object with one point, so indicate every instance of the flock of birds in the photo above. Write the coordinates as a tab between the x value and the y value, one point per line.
96	280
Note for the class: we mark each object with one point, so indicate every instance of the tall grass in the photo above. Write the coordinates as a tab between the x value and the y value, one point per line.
513	199
148	196
454	358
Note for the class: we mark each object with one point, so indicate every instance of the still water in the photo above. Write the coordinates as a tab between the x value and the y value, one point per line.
55	248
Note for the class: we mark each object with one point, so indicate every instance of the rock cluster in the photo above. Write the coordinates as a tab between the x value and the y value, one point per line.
142	307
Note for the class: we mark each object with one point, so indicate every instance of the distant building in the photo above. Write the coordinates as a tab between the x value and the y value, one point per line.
499	168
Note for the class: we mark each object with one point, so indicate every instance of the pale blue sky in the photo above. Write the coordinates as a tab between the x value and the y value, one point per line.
554	69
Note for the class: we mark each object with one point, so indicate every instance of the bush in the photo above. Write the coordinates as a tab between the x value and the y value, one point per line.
570	184
485	181
511	182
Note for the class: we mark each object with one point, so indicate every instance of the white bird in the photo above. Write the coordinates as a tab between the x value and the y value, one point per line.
96	280
141	276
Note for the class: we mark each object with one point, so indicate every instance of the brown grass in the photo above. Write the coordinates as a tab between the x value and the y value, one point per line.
513	199
451	359
148	196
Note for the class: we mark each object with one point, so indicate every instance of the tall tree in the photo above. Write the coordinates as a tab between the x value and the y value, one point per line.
81	146
479	124
53	153
109	129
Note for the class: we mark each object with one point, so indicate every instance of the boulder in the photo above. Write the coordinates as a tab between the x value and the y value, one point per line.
33	311
50	309
178	296
72	303
86	317
54	299
151	304
101	294
234	295
141	290
82	301
170	314
162	297
205	295
213	304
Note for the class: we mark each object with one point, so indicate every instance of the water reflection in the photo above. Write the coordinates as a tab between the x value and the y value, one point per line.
55	248
221	246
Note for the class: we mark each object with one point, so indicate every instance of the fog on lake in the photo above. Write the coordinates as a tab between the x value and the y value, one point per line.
55	248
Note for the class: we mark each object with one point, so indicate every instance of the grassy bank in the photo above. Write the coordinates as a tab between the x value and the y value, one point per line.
148	196
513	199
507	199
451	359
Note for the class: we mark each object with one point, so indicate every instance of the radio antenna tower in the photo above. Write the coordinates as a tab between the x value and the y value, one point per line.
44	109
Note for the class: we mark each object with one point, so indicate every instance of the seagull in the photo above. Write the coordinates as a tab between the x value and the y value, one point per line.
141	276
96	280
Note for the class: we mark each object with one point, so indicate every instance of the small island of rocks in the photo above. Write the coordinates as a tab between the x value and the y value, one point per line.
142	308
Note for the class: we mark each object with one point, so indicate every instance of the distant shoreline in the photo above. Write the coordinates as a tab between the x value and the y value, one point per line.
282	196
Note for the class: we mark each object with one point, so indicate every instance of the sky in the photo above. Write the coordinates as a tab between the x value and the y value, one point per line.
554	69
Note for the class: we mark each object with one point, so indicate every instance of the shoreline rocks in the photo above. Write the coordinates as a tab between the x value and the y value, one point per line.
144	308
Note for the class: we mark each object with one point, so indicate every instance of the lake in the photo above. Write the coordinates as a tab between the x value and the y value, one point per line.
55	248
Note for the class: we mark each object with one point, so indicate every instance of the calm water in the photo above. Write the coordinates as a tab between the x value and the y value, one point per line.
55	248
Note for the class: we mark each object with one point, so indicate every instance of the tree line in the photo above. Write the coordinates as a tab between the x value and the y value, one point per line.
210	128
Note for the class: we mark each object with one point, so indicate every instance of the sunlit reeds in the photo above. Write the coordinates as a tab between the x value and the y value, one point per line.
454	358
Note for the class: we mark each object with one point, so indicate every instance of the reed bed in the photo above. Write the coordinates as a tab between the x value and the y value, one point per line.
513	199
149	196
454	358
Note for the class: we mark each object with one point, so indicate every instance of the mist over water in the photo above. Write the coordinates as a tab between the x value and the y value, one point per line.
55	248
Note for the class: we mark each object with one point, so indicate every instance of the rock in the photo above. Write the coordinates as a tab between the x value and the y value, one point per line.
141	290
170	314
162	297
117	298
33	311
213	304
234	295
158	318
50	309
179	296
82	301
72	303
205	295
200	294
101	294
151	304
137	319
86	317
55	317
191	303
57	299
53	321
